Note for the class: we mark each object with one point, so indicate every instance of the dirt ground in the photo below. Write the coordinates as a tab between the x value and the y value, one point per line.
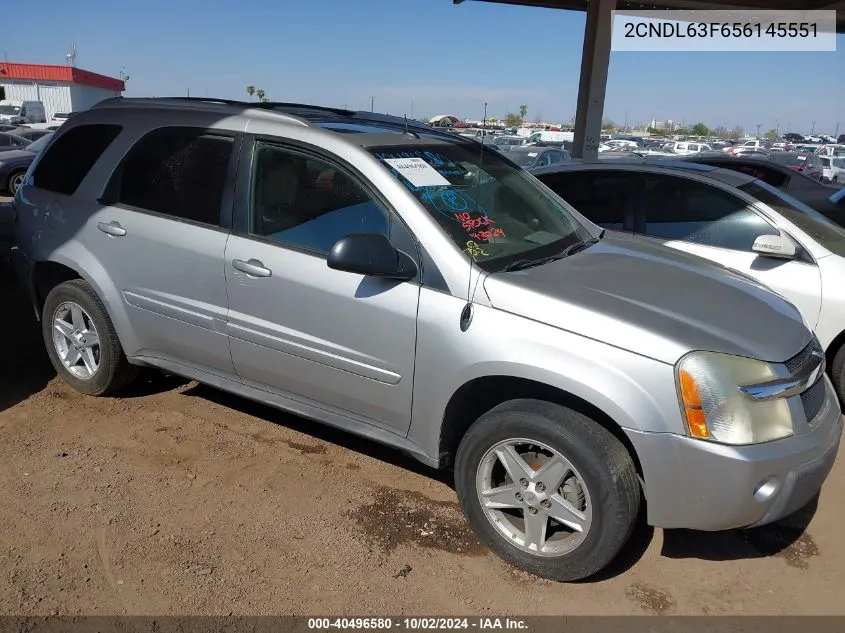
179	499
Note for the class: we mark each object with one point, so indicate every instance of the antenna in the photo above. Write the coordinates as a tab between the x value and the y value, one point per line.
466	313
71	56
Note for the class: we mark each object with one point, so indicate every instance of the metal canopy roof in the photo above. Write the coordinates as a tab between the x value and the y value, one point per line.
634	5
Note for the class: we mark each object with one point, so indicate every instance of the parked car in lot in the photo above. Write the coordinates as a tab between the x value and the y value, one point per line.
823	198
730	218
533	156
421	290
802	162
30	134
684	148
13	164
833	169
60	117
9	140
505	142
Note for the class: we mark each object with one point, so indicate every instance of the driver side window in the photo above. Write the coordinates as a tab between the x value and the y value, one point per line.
307	202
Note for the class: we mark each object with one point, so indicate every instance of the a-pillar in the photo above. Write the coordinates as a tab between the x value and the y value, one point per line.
595	61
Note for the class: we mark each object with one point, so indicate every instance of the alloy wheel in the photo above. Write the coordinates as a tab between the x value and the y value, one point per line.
15	183
76	340
534	497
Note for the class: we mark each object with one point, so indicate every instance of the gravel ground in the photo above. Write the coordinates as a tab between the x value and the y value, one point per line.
179	499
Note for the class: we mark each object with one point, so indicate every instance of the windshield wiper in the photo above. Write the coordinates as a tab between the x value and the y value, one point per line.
522	264
580	246
577	247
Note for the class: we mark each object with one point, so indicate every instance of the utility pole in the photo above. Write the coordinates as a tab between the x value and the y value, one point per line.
813	129
758	130
777	128
372	104
836	133
189	93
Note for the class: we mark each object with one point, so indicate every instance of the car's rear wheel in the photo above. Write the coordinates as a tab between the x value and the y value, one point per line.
81	340
15	181
548	489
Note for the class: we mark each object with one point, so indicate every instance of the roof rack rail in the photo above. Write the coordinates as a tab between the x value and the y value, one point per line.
296	110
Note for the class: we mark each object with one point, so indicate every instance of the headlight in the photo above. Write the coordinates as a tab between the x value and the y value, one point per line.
715	409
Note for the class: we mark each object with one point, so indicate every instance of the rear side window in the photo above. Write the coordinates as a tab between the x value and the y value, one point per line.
70	157
180	172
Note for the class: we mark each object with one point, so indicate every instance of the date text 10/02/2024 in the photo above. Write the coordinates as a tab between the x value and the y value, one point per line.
420	623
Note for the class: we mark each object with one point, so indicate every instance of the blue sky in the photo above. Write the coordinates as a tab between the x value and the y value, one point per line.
422	57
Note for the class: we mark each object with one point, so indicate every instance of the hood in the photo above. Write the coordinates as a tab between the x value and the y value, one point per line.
15	155
654	301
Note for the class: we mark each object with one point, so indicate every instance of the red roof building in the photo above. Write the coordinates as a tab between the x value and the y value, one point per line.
59	88
69	74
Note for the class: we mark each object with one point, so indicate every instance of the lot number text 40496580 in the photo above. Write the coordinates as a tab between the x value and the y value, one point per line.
417	623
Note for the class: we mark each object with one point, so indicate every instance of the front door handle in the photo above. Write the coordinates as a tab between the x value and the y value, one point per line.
111	228
253	267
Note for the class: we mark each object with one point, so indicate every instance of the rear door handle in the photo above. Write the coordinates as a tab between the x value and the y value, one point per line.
253	267
111	228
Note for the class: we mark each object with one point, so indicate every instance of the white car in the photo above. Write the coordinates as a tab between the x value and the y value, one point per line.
728	217
833	169
686	148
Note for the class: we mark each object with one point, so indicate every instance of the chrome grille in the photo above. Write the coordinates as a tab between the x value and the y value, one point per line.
797	362
813	400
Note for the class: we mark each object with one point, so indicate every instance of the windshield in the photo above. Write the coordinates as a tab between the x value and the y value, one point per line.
813	223
37	146
9	109
495	212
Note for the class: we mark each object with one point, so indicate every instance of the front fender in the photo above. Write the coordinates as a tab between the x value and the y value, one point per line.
637	392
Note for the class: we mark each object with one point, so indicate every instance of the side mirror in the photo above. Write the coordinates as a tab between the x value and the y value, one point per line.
775	246
371	254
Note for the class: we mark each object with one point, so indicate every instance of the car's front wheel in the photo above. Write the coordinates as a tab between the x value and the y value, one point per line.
547	489
81	340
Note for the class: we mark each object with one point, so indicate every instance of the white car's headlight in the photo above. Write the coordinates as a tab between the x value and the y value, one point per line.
714	407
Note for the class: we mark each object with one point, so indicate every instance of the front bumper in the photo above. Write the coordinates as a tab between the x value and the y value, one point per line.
702	485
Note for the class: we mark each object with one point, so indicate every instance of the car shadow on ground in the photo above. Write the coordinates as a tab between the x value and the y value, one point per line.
24	366
787	537
320	431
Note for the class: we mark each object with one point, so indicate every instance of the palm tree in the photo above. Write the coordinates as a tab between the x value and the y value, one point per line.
523	110
250	90
261	94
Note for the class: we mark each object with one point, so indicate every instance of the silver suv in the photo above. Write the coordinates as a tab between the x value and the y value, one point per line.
419	289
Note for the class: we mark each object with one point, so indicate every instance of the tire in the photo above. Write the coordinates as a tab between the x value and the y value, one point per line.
15	179
606	486
837	374
112	371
